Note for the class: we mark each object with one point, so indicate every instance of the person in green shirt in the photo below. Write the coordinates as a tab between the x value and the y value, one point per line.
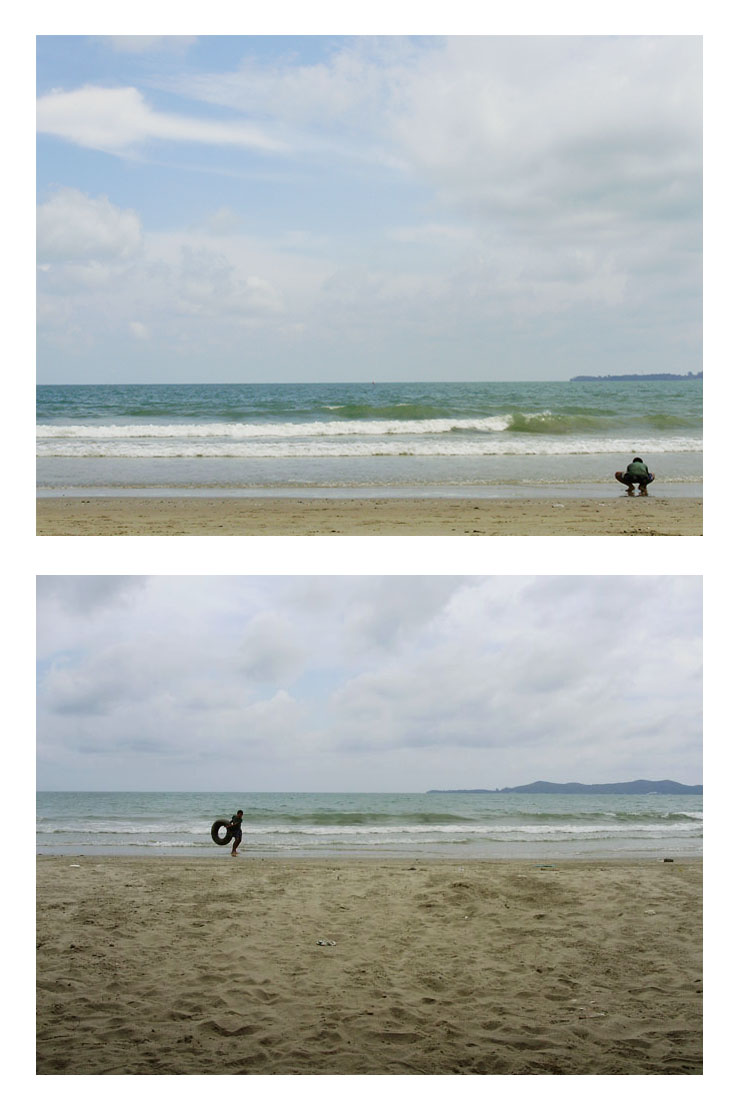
636	474
235	827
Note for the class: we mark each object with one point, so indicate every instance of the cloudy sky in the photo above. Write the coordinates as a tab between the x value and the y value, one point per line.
366	683
314	209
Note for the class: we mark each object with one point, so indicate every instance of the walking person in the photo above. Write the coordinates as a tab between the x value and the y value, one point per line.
235	828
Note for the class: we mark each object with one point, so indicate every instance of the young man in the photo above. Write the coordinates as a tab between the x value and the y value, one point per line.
235	828
636	473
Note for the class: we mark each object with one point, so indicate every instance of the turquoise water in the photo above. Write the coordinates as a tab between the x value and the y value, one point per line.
291	824
485	438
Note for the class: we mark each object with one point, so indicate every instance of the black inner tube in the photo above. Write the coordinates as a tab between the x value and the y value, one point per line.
221	839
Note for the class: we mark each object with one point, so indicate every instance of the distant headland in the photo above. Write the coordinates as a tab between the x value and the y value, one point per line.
637	378
544	787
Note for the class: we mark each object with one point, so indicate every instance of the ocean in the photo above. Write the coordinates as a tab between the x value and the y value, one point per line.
480	438
301	824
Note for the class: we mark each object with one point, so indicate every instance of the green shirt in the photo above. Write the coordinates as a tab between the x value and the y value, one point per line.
638	470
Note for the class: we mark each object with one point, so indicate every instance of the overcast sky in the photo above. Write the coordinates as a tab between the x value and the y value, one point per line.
357	683
311	208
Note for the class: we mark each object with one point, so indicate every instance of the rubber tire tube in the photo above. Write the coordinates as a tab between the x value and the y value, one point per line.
221	839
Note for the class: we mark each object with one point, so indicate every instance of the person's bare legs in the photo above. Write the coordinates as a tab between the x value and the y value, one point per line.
619	476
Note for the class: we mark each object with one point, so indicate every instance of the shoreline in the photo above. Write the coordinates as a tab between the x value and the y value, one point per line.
338	966
332	858
205	515
416	854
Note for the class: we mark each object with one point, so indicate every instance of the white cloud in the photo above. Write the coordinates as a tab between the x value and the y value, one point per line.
223	222
555	130
575	164
86	594
119	120
72	227
437	235
349	88
148	44
569	132
101	275
210	285
332	682
271	652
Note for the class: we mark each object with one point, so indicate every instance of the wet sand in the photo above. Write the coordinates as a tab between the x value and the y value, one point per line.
213	966
613	515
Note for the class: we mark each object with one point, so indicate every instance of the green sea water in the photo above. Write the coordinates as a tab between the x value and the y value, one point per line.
483	438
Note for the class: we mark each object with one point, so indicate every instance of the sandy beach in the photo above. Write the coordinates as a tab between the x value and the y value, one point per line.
211	516
213	966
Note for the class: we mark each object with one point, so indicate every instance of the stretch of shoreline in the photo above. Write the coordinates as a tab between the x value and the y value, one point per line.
266	966
288	516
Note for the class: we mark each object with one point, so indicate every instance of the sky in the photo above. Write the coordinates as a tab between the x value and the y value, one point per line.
311	208
366	683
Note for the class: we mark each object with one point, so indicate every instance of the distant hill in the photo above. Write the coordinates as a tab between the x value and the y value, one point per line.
636	378
544	787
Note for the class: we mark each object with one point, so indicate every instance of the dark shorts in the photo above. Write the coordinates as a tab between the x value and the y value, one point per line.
237	837
634	480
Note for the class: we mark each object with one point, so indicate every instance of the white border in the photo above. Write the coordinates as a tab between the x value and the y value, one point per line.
27	555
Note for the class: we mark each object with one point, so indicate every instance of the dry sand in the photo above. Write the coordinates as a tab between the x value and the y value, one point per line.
612	515
194	966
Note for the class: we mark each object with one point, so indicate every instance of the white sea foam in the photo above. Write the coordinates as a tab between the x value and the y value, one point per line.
146	444
319	832
286	431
